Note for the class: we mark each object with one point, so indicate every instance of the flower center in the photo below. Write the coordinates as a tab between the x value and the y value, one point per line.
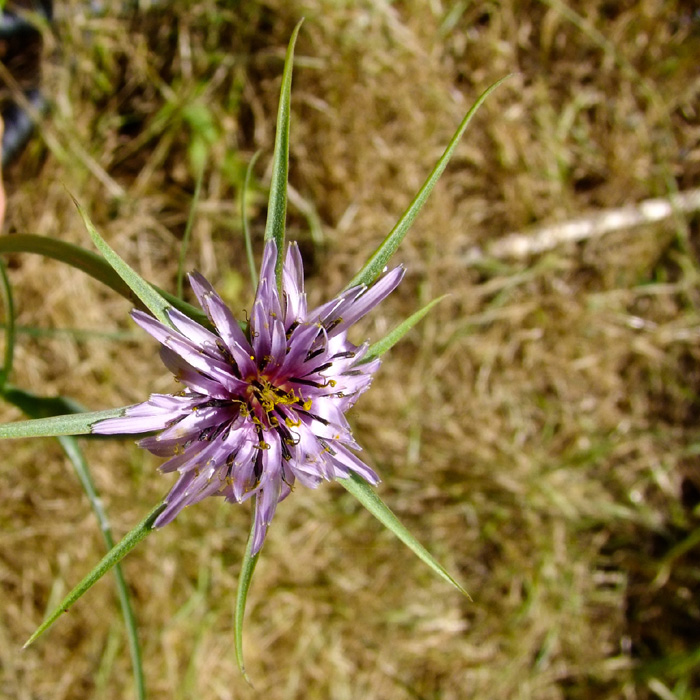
265	400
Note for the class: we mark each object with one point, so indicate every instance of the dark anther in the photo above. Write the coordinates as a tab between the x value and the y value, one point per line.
291	329
318	418
333	324
320	368
307	382
328	448
313	354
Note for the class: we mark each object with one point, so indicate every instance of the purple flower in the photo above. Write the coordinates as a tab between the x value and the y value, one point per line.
259	409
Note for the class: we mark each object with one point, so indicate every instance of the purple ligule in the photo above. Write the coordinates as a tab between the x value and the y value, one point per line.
261	409
155	414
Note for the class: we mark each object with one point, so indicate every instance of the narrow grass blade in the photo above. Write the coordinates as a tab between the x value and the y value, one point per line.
91	264
277	203
9	325
381	256
244	218
367	496
115	555
389	340
188	231
153	301
53	426
246	576
75	455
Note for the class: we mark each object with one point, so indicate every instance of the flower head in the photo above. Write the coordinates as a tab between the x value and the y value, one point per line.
263	408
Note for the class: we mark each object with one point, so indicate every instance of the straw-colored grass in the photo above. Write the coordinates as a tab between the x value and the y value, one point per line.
537	431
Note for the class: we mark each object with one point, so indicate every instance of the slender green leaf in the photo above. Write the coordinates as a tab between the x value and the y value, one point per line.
9	325
188	231
277	203
246	576
367	496
153	301
115	555
52	426
90	263
393	337
77	459
374	266
244	217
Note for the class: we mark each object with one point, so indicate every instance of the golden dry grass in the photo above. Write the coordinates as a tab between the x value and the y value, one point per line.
537	431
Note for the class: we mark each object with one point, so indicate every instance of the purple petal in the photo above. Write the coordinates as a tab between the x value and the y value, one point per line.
198	335
308	454
300	343
154	414
344	462
268	497
191	353
267	286
190	377
192	425
225	322
243	470
326	420
326	310
293	286
352	311
189	489
278	346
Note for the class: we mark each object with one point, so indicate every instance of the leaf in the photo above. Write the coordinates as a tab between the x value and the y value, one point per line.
244	217
368	497
277	202
71	424
374	266
91	264
153	301
115	555
393	337
246	576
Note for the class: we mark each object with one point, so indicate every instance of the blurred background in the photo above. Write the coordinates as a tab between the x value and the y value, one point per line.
538	431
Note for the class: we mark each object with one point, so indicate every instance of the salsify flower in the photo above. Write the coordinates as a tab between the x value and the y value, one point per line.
260	409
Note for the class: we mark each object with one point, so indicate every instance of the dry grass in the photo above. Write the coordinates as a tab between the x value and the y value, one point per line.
538	431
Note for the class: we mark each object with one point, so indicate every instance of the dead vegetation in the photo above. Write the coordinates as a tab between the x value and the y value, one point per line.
538	430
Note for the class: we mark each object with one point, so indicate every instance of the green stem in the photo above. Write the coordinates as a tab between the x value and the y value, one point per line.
277	203
246	576
9	325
